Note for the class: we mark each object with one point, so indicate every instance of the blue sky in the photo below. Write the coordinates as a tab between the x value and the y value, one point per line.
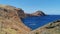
30	6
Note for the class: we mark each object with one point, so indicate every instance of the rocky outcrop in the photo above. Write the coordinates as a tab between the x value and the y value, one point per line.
20	12
10	20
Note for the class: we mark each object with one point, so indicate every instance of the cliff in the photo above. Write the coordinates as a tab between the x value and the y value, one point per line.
10	20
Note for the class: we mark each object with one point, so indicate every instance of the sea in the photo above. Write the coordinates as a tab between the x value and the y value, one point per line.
35	22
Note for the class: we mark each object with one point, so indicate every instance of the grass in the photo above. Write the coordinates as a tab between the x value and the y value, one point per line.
9	30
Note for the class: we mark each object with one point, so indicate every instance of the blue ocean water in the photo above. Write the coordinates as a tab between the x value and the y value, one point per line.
35	22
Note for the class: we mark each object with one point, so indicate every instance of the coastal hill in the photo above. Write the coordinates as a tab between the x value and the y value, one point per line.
10	20
37	13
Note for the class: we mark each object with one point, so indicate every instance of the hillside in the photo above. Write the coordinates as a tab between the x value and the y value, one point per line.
10	20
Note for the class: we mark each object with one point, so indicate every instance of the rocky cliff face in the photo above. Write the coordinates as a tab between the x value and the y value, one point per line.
10	20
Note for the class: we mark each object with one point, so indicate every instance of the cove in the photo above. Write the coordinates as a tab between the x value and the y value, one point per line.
35	22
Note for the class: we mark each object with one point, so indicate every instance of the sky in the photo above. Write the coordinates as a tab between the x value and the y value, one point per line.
30	6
